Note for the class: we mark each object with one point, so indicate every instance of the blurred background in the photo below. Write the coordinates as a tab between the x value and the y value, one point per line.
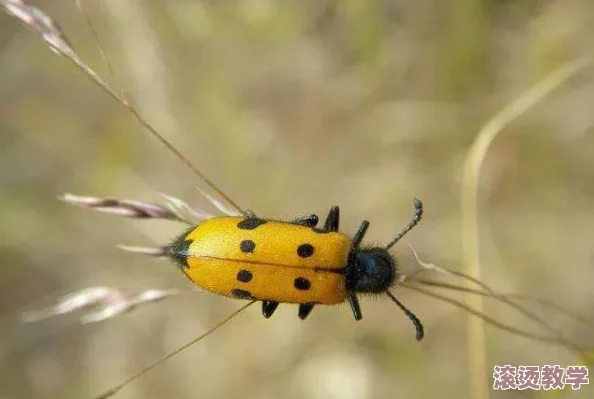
292	107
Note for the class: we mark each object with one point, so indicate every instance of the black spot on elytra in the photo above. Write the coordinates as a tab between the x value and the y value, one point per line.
244	276
251	223
302	284
241	294
247	246
319	231
305	250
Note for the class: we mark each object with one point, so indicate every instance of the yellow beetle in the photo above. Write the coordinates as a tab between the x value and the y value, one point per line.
291	262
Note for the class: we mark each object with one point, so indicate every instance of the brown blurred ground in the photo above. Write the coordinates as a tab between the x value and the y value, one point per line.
291	107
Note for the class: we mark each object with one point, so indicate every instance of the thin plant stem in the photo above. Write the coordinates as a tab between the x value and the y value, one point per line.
470	233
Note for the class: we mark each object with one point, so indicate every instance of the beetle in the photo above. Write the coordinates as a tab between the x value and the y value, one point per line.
289	262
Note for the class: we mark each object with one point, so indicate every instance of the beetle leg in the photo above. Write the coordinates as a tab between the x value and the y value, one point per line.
332	220
305	310
354	302
360	234
308	221
268	308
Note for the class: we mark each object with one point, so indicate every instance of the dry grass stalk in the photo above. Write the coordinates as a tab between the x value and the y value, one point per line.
470	233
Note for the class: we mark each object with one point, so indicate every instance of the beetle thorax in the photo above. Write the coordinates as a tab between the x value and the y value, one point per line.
370	270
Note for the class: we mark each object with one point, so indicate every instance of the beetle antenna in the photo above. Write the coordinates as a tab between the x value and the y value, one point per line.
416	321
116	389
416	219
